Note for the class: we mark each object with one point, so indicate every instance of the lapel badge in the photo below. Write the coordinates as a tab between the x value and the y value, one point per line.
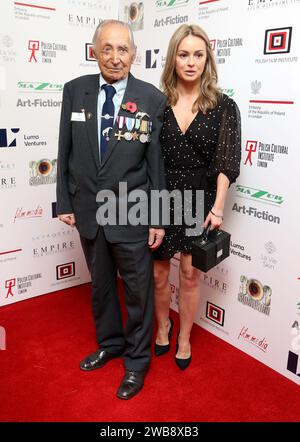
89	115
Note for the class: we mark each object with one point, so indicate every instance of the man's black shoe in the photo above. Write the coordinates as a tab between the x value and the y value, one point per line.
131	384
98	359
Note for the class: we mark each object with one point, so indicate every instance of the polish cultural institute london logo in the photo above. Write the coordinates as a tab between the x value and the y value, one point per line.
255	295
278	41
251	147
33	47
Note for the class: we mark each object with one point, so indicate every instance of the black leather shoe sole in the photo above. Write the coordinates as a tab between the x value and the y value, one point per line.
160	350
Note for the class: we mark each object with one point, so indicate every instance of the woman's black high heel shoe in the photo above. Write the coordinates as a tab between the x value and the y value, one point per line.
160	350
182	363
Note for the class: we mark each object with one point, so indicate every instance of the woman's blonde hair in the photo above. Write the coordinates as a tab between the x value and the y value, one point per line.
208	91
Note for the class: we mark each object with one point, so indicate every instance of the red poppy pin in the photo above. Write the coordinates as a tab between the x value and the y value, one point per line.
130	107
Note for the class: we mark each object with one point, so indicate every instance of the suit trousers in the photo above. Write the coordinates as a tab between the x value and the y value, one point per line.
133	260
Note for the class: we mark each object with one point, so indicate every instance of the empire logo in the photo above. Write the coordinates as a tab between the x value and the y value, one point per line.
278	41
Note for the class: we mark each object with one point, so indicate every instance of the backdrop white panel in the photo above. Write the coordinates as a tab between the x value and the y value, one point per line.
43	44
252	300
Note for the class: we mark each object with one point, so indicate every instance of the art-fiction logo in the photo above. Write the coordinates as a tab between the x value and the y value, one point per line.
44	51
256	213
254	294
89	52
171	20
64	271
8	137
253	339
215	313
134	15
169	4
42	172
259	195
267	153
278	41
39	86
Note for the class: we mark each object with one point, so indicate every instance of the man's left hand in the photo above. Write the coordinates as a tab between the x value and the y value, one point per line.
155	238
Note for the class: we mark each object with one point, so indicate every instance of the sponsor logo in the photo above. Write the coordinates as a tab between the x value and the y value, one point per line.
255	295
42	172
49	50
7	182
53	248
266	152
7	52
4	166
89	52
167	21
215	313
9	255
7	137
39	86
27	11
259	195
169	4
254	212
255	87
20	285
228	91
238	250
38	102
260	343
214	282
91	4
134	15
292	363
278	41
268	260
65	270
85	21
22	213
254	5
152	58
138	59
209	8
33	140
225	48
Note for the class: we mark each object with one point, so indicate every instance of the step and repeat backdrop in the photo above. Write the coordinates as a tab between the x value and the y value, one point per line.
252	300
43	44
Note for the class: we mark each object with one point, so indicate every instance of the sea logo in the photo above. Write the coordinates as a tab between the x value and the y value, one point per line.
258	194
39	86
278	40
6	137
65	270
89	52
215	313
254	294
134	15
168	4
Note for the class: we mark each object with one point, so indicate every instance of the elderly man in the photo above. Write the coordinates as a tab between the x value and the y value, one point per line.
109	133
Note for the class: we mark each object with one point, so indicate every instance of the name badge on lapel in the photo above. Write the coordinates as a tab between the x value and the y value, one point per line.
78	116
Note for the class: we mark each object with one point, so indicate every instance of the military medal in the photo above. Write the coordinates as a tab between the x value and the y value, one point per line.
143	138
135	136
128	136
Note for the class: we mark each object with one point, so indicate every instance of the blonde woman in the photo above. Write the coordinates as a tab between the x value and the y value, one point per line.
200	139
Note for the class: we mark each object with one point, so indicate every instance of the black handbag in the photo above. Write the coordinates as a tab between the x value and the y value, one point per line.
210	249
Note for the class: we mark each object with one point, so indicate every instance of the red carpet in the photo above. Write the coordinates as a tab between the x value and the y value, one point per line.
40	379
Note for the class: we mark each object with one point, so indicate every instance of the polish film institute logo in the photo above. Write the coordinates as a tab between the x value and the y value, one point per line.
89	52
278	41
215	313
65	270
251	147
33	46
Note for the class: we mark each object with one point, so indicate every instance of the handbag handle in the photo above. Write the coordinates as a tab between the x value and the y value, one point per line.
204	234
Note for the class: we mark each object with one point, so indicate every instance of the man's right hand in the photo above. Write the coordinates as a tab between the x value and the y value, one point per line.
68	218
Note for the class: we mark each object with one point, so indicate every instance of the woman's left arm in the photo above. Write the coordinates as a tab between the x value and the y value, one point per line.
215	216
